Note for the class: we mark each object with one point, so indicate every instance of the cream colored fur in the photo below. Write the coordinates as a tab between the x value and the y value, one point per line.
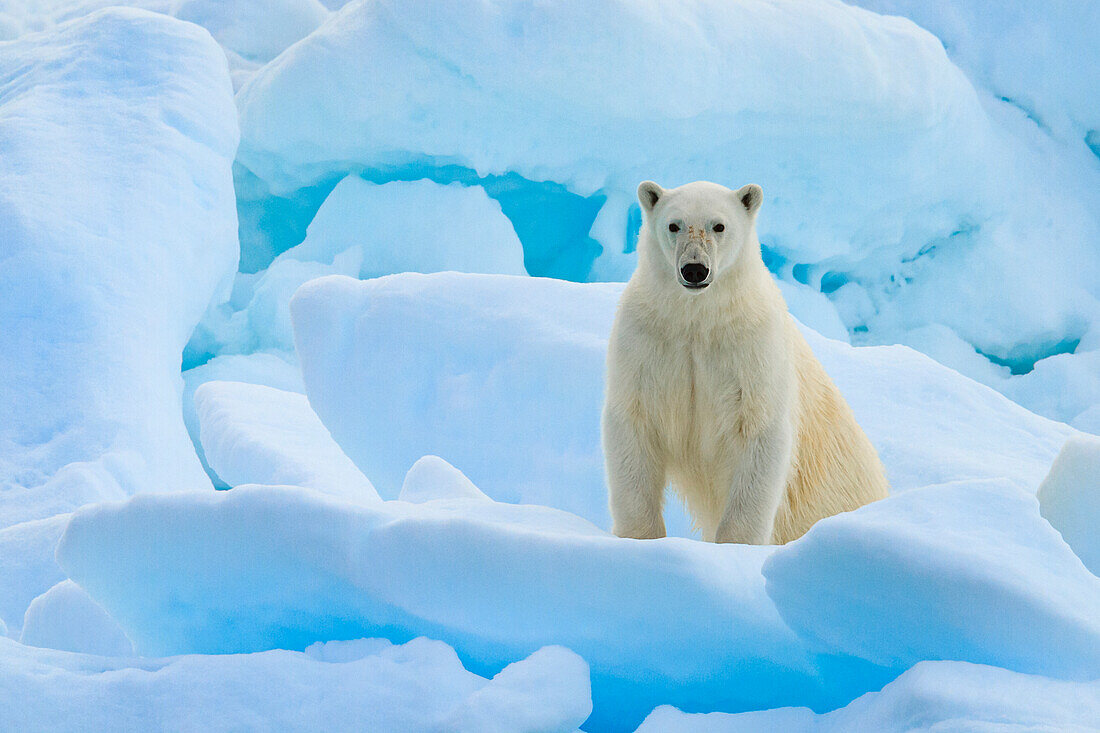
715	391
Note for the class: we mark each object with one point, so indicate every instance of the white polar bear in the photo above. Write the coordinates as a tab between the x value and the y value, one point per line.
710	385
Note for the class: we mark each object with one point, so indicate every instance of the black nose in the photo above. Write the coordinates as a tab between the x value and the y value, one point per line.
694	273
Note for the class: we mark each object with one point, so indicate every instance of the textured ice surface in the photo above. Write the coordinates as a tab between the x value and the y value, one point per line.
273	369
418	686
116	209
256	568
1069	498
66	618
364	229
27	565
966	571
884	168
252	31
953	696
253	434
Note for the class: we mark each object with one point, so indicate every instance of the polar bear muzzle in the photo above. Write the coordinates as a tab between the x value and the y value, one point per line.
694	275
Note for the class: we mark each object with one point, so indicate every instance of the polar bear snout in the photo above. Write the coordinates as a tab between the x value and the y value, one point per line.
694	275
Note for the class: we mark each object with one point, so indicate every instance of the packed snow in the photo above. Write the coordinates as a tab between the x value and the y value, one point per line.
922	575
356	263
114	244
930	696
416	686
67	618
252	434
675	620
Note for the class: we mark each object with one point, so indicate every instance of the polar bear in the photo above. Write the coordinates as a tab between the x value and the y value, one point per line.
711	387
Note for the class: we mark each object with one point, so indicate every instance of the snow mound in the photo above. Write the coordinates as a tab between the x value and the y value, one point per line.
1069	498
885	170
117	214
250	31
1042	59
931	696
256	30
27	565
964	571
272	369
255	568
418	686
65	617
253	434
432	478
504	377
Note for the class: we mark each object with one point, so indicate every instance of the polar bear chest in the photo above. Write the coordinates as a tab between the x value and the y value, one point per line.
696	403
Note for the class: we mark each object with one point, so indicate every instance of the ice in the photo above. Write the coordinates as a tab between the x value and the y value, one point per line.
503	378
65	617
27	565
117	216
364	229
432	478
412	226
930	696
252	434
966	571
250	30
553	680
272	369
257	30
886	170
418	686
255	568
1069	498
1064	386
1040	58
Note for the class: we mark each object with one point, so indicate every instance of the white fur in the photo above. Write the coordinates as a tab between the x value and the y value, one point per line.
715	390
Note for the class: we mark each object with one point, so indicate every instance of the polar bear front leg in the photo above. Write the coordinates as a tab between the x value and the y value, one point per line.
635	479
759	483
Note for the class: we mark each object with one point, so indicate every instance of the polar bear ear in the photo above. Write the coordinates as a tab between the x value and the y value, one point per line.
750	196
649	193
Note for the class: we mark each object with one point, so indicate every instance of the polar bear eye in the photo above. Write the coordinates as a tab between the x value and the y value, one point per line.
719	227
674	227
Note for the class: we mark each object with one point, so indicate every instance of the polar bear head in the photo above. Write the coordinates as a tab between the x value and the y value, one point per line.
700	228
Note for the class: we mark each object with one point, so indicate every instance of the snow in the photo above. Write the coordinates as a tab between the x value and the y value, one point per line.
272	369
432	478
256	434
1069	498
363	230
114	245
966	571
886	169
66	618
27	565
932	182
412	226
257	30
930	696
262	567
420	685
250	30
